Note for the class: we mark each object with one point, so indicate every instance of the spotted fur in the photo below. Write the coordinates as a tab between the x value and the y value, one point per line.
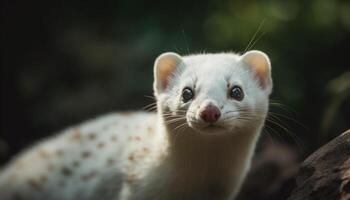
167	155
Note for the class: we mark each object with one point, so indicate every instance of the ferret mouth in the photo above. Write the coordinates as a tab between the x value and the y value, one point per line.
209	129
213	127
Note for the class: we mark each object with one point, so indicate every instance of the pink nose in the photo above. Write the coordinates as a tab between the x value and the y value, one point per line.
210	114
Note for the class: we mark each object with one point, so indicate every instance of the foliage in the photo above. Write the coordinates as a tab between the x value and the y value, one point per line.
65	61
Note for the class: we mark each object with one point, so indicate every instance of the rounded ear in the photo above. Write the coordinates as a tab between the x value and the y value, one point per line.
259	63
165	67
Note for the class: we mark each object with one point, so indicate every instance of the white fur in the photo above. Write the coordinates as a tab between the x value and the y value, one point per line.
171	155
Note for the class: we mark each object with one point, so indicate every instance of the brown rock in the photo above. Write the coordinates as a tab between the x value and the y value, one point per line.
325	175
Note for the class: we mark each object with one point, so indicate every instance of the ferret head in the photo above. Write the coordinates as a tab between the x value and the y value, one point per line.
213	93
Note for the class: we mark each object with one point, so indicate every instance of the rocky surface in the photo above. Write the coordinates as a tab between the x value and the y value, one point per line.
325	174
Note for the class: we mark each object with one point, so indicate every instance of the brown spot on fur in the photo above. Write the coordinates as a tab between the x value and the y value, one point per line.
76	135
110	161
100	145
88	176
85	154
131	157
114	138
146	150
150	130
34	184
43	178
137	138
92	136
76	163
43	153
66	171
59	152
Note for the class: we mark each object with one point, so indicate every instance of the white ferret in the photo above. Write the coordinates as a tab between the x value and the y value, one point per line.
199	145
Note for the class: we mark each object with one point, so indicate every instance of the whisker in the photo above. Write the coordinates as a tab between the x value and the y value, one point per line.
150	107
150	97
282	106
254	36
172	121
289	118
296	139
269	135
275	133
248	115
177	133
179	126
256	41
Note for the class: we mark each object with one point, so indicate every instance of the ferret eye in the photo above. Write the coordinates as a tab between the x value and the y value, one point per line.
187	94
237	93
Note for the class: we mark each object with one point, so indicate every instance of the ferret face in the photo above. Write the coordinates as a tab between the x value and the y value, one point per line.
213	93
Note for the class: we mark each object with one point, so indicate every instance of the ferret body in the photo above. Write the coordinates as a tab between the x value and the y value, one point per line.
210	111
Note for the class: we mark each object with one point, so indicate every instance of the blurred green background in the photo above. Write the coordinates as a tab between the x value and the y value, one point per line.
67	61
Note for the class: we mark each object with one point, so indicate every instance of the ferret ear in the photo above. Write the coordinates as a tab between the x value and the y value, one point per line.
259	63
165	68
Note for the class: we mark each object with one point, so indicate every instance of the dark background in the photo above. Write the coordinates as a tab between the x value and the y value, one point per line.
67	61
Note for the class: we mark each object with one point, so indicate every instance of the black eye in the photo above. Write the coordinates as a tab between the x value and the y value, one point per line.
187	94
236	93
